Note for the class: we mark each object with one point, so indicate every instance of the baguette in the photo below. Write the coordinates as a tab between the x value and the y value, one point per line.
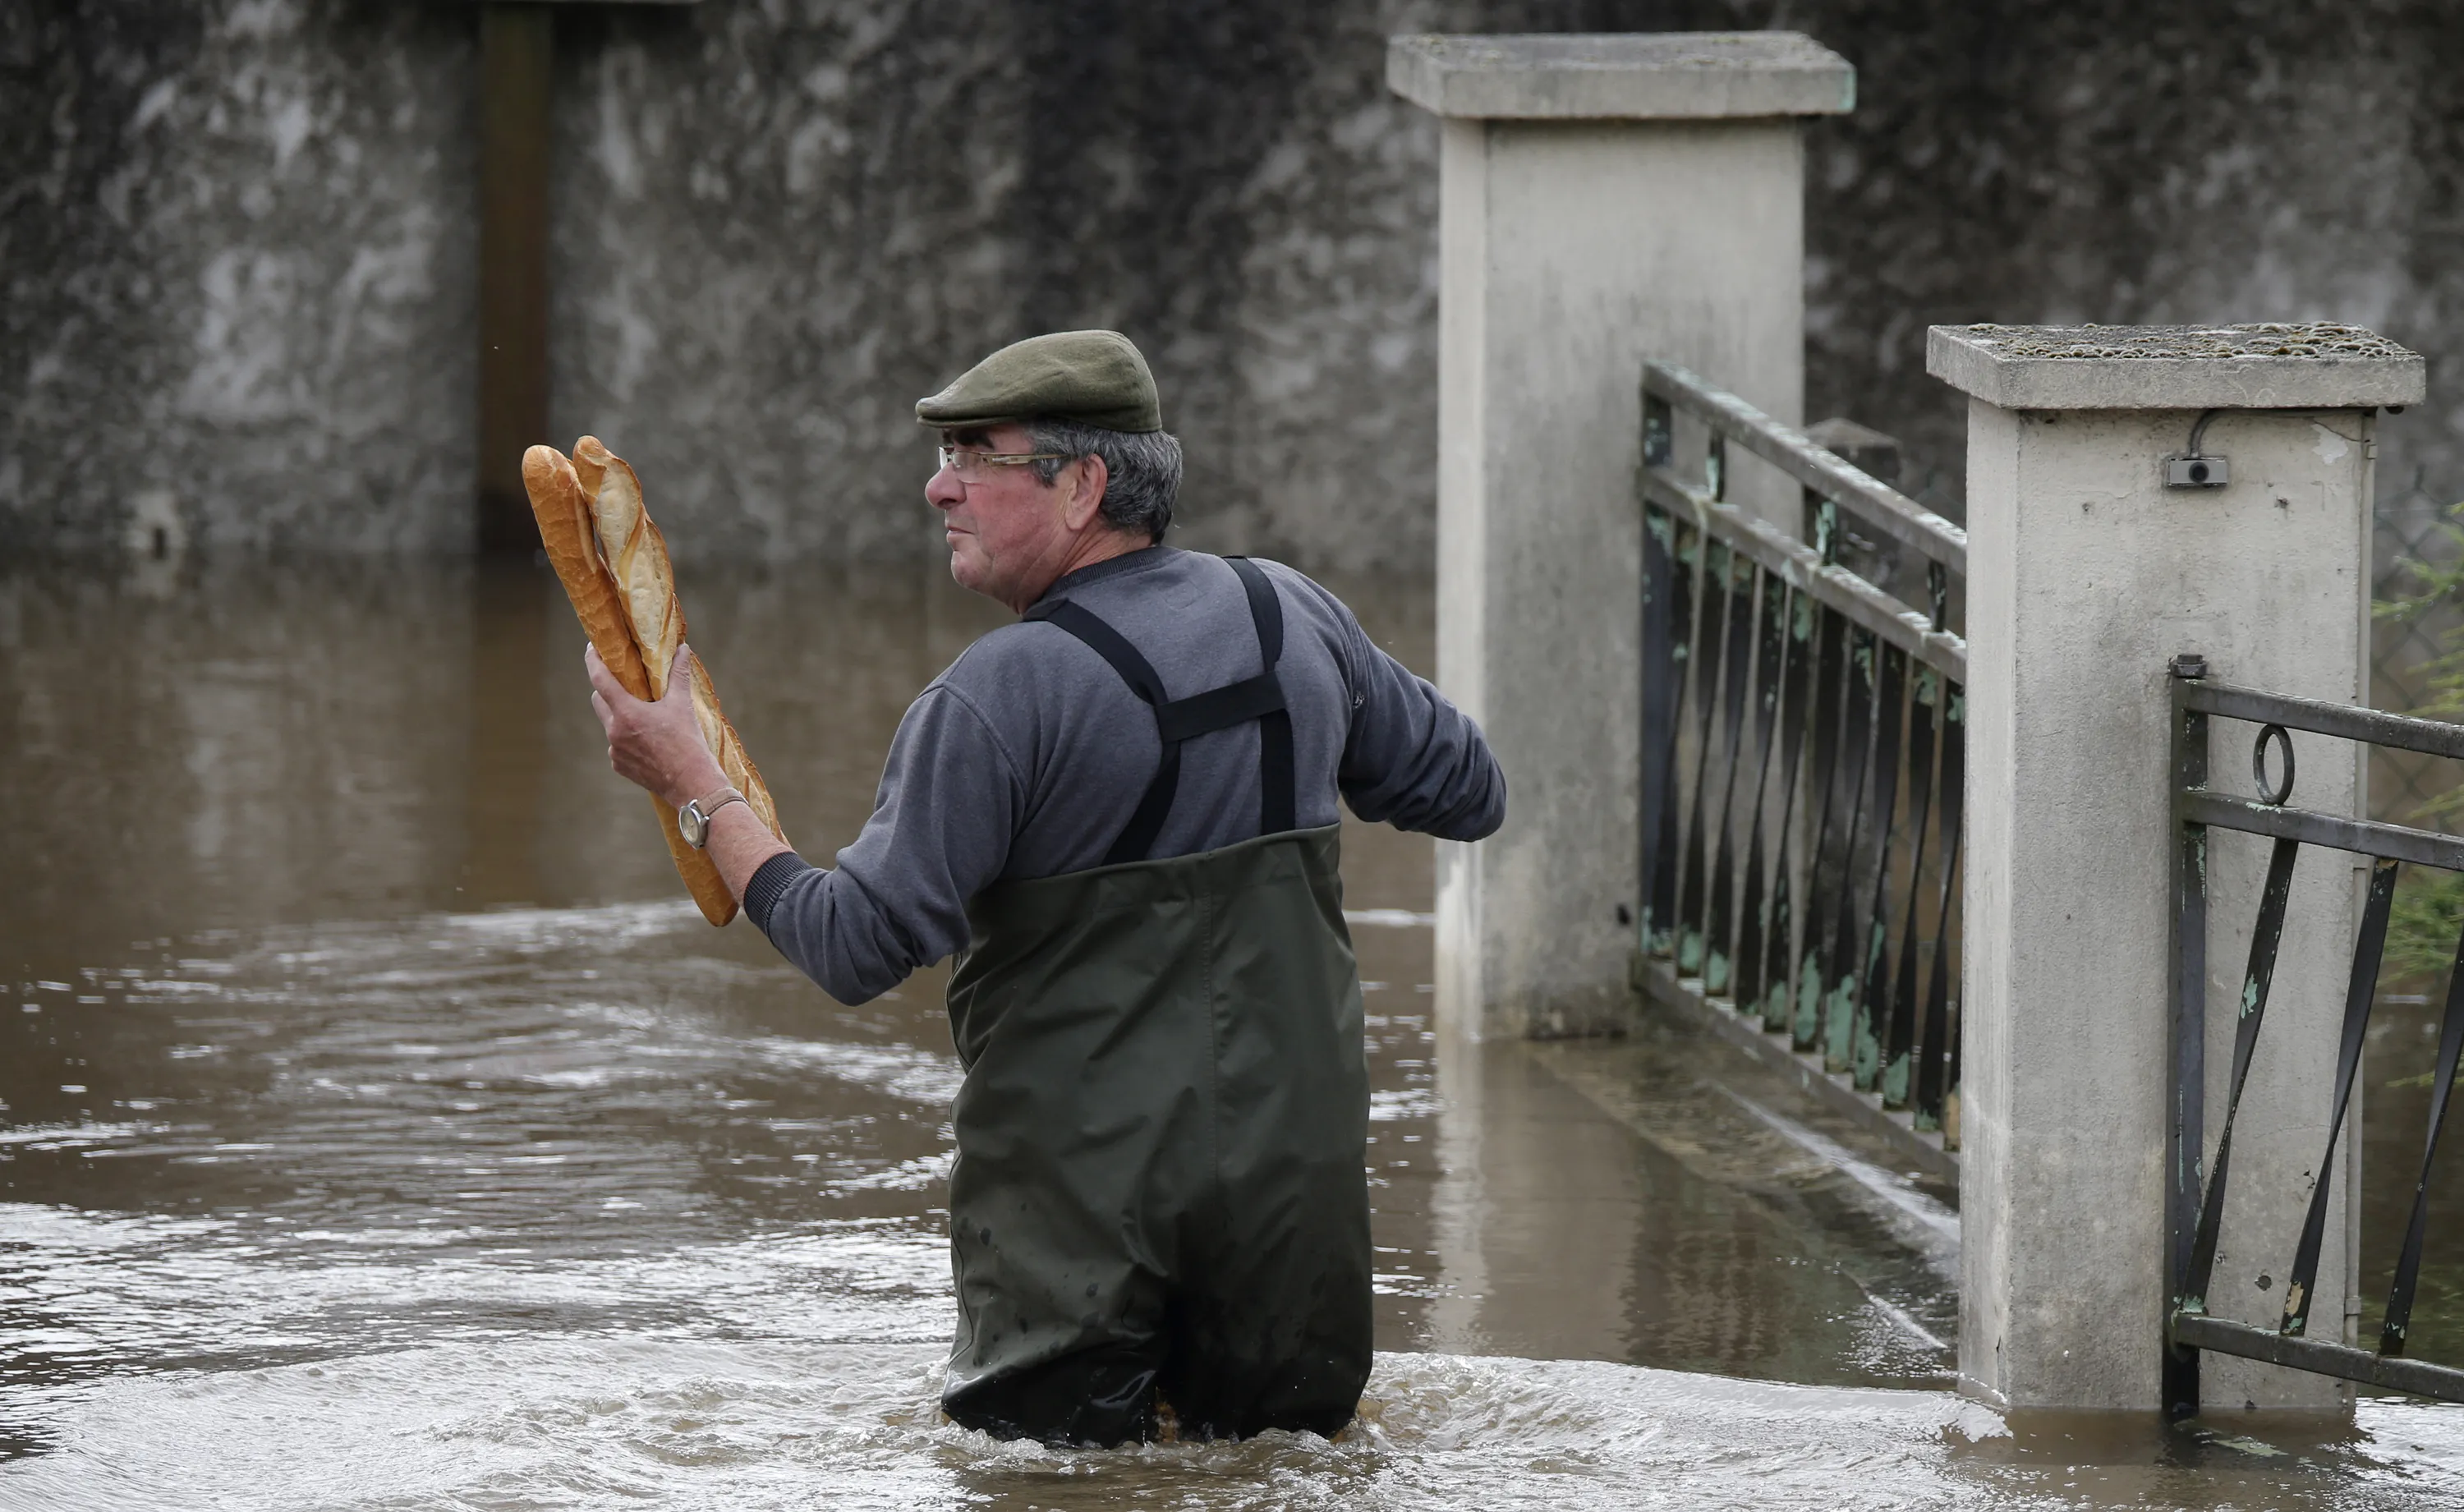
568	530
636	555
564	528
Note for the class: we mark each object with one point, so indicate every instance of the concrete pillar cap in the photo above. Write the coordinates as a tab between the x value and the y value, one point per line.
1625	75
2313	364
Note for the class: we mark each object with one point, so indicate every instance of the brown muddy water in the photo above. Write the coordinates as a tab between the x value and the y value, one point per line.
384	1130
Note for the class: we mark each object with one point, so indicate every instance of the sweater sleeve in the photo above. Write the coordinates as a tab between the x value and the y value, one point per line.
939	832
1411	758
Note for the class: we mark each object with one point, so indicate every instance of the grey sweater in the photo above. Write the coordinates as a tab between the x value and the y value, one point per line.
1026	757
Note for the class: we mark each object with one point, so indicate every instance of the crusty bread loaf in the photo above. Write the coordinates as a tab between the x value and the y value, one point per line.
637	555
561	494
565	529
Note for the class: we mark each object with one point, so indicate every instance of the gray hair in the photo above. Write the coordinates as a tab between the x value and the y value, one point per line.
1142	470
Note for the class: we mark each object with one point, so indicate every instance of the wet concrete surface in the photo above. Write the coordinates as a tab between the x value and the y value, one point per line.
383	1127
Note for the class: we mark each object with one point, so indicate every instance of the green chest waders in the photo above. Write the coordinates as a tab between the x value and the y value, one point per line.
1159	1186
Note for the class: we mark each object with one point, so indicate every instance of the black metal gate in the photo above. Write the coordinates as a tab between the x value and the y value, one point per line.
2195	1208
1803	763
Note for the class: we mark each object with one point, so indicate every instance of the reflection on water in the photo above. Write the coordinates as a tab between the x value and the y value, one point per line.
383	1127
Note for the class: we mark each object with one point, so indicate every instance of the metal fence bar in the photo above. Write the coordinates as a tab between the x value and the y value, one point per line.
1938	1048
1668	635
1779	945
2193	1250
2187	1058
1789	889
1831	696
1736	668
1871	967
1837	978
1834	586
1899	1010
2345	721
2407	1268
2199	1331
1754	910
2300	1290
1692	878
1874	502
2257	978
2361	836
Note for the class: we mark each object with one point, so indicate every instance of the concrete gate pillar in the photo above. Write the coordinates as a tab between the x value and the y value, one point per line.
1602	200
2087	575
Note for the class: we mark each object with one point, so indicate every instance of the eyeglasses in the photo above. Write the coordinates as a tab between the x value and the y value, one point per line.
969	465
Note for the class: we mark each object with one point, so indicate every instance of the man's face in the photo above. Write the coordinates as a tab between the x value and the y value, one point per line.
1007	529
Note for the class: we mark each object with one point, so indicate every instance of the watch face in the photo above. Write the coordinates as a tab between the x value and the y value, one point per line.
689	825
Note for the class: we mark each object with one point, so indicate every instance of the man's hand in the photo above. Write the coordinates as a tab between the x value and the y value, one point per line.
657	746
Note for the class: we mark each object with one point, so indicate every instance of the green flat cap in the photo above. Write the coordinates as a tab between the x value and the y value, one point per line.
1094	378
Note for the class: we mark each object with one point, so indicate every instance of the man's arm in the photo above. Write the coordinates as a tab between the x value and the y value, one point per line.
658	746
1411	758
939	833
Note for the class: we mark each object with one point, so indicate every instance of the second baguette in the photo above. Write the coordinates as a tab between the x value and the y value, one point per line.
637	557
565	530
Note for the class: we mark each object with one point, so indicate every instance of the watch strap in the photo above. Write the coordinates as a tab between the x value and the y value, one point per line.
703	810
712	803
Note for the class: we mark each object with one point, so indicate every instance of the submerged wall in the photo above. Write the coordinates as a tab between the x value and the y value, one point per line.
238	240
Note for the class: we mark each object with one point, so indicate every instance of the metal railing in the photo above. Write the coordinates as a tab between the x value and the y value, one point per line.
1803	749
2196	1209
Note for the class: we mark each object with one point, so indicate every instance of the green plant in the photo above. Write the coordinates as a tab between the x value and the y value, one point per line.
2428	593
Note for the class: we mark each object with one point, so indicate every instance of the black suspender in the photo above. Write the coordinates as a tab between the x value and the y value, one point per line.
1277	791
1259	698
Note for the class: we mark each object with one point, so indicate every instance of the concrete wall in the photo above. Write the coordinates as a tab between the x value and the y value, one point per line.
1572	249
2126	163
2097	578
776	236
2087	575
236	267
238	243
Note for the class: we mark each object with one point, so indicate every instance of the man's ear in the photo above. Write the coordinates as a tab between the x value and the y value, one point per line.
1087	492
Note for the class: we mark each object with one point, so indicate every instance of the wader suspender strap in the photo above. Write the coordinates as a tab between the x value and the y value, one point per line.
1259	698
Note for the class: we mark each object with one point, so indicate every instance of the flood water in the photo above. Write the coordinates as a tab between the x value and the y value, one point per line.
383	1128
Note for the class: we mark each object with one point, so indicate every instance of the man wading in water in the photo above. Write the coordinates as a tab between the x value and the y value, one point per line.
1120	814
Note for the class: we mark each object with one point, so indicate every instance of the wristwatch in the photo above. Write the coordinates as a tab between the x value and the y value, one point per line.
692	820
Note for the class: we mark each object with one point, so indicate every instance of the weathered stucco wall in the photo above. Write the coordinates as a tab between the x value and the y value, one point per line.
237	239
236	244
776	237
2127	164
